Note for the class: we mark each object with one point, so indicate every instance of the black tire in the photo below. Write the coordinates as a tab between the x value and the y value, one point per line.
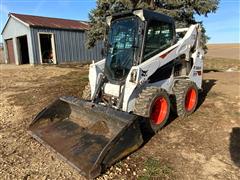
146	104
87	92
185	105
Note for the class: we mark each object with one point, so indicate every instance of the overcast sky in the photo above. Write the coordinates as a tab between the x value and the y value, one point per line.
222	27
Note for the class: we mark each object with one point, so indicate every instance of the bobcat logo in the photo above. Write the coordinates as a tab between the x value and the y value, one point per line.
144	73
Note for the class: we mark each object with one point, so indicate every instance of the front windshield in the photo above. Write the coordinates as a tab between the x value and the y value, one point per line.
122	39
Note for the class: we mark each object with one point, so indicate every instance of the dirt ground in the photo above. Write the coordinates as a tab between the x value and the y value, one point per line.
204	146
227	51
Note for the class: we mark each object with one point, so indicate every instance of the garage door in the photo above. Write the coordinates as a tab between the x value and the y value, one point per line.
11	58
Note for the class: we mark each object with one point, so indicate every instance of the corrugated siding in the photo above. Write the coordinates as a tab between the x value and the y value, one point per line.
70	46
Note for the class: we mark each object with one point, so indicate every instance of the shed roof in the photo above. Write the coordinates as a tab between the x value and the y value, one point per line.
49	22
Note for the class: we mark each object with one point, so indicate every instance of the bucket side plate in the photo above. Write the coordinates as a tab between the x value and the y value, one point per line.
80	132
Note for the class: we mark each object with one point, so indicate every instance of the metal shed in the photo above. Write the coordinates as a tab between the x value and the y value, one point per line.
31	39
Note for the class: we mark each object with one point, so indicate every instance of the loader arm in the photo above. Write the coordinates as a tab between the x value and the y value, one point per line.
143	62
183	46
145	70
95	70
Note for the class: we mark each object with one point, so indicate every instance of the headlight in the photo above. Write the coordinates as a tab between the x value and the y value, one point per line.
133	76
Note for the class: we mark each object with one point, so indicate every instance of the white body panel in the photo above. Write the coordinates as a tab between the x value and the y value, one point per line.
146	69
112	89
94	70
196	73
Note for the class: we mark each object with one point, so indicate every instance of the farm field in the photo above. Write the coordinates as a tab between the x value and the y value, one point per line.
227	51
202	146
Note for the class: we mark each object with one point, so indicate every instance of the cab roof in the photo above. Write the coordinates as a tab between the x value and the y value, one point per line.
144	15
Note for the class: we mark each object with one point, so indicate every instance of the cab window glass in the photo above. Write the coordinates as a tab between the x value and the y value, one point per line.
159	37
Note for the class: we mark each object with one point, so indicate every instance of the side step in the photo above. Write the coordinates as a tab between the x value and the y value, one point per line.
90	137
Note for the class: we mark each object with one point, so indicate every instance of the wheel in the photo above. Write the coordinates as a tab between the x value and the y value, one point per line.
153	104
186	94
87	92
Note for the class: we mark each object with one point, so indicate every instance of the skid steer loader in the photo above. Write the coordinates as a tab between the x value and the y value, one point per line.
149	68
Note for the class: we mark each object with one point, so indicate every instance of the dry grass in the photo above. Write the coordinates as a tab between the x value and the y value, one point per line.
228	51
199	147
24	91
221	64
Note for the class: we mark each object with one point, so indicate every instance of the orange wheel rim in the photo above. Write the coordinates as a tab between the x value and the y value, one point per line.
191	99
159	110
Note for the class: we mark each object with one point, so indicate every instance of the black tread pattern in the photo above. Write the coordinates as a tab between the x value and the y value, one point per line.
87	92
143	102
180	89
